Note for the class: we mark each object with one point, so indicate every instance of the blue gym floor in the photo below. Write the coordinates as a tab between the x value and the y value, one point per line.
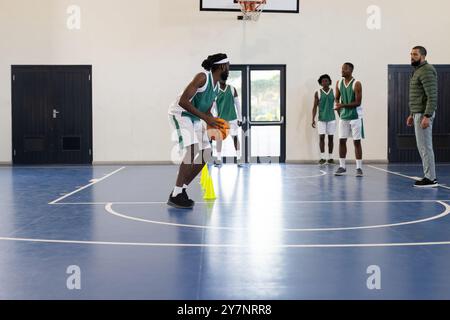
274	232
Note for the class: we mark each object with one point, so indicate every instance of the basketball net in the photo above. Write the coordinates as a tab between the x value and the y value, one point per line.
251	9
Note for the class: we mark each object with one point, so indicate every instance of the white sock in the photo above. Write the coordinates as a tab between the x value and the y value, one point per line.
330	156
358	164
185	186
219	155
177	191
342	163
322	156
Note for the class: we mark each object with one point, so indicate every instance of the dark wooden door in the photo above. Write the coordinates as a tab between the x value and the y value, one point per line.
401	139
52	114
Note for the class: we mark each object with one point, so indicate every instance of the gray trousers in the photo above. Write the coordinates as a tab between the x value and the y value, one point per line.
424	138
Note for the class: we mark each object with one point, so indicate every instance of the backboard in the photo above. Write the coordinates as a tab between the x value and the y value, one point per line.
283	6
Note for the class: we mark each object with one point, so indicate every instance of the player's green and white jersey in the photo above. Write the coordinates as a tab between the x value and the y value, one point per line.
226	107
202	100
326	105
348	96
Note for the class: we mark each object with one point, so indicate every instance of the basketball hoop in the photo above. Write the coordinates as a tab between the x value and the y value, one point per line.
251	9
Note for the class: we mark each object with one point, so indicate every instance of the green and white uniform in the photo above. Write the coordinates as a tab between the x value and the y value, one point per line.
187	128
327	117
228	107
351	119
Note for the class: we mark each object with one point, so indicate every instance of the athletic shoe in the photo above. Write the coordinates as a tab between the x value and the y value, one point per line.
426	183
322	162
330	161
241	164
181	201
359	173
340	172
218	163
187	197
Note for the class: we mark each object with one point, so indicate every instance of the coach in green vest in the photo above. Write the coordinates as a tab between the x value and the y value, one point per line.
423	93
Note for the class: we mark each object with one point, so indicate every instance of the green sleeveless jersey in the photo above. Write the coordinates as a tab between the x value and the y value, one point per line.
348	96
326	105
225	104
203	100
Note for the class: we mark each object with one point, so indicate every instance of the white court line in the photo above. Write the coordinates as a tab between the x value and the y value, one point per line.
87	186
322	173
416	164
246	203
110	210
46	167
396	173
405	176
201	245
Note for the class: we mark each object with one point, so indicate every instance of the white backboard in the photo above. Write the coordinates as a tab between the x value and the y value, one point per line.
288	6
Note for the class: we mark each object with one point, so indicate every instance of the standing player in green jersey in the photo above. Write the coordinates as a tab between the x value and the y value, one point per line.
228	107
185	116
324	101
348	105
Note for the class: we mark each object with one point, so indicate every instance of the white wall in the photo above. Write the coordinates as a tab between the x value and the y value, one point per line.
144	52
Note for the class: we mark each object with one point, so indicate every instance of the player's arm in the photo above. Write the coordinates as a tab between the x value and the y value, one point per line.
358	97
337	99
314	110
237	105
185	100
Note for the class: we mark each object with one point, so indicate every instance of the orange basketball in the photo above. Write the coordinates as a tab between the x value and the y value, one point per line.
220	133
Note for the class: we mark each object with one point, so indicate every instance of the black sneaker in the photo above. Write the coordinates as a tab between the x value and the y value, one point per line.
359	173
181	201
330	161
426	183
322	162
187	197
340	172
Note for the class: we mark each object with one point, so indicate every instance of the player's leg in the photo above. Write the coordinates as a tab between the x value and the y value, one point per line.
186	167
342	152
203	154
219	144
322	129
344	133
234	133
330	148
358	135
358	155
184	134
178	198
203	157
237	147
331	131
322	149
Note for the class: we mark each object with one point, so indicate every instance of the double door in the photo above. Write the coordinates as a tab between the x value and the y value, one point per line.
262	90
52	114
401	138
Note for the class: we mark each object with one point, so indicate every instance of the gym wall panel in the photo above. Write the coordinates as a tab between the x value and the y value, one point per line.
144	52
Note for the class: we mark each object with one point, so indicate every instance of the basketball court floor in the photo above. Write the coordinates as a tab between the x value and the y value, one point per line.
277	231
88	157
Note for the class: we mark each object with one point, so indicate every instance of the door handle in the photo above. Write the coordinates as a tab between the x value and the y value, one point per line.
55	113
267	122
